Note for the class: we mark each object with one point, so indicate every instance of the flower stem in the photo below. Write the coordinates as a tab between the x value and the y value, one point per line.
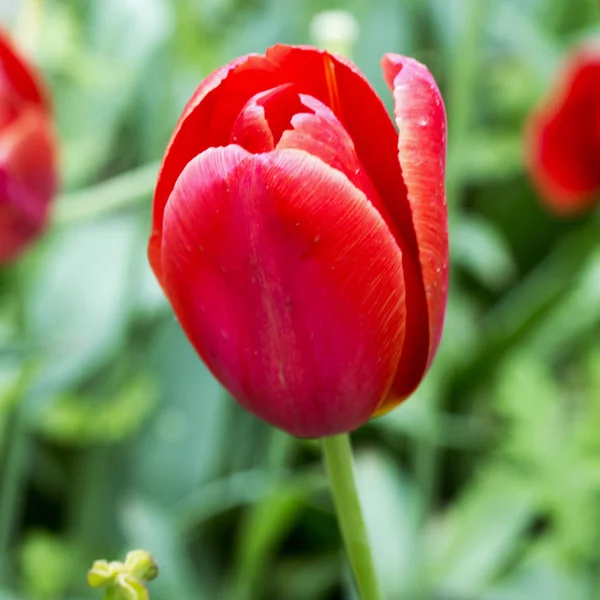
14	466
107	197
464	67
338	463
12	487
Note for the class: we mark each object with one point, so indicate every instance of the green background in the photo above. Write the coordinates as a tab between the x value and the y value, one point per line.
485	485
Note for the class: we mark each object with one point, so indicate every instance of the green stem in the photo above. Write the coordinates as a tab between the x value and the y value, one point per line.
12	484
338	462
464	68
88	514
13	475
108	196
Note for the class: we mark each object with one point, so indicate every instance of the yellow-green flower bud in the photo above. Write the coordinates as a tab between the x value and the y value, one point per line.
103	572
124	580
128	587
141	564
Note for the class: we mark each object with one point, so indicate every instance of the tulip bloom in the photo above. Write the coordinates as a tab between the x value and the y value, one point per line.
564	136
301	241
28	177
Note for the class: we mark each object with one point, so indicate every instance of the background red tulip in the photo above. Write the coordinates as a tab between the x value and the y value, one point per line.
564	136
301	241
27	159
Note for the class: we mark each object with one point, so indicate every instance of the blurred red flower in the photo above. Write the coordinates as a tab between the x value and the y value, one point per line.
563	136
301	242
28	174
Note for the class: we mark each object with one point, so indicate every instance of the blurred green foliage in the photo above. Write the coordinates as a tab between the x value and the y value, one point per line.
485	485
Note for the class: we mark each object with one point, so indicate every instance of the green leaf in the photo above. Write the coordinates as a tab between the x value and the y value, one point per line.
540	575
573	316
480	248
189	421
306	578
525	37
77	419
391	508
263	527
478	535
490	156
78	301
93	102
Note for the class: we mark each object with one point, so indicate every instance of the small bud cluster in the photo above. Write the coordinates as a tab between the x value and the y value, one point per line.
124	580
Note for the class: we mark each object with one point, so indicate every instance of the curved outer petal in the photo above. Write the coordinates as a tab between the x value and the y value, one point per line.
28	181
563	136
206	121
421	121
18	77
288	283
190	136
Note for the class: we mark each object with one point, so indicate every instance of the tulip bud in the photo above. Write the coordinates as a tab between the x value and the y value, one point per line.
301	240
28	173
563	136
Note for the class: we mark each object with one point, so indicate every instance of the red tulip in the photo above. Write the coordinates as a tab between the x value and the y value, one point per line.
301	242
27	160
564	136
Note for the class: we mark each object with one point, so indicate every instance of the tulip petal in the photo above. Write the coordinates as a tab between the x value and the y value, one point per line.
338	82
209	116
421	121
265	117
321	134
563	137
288	283
206	122
251	129
17	77
317	131
27	180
